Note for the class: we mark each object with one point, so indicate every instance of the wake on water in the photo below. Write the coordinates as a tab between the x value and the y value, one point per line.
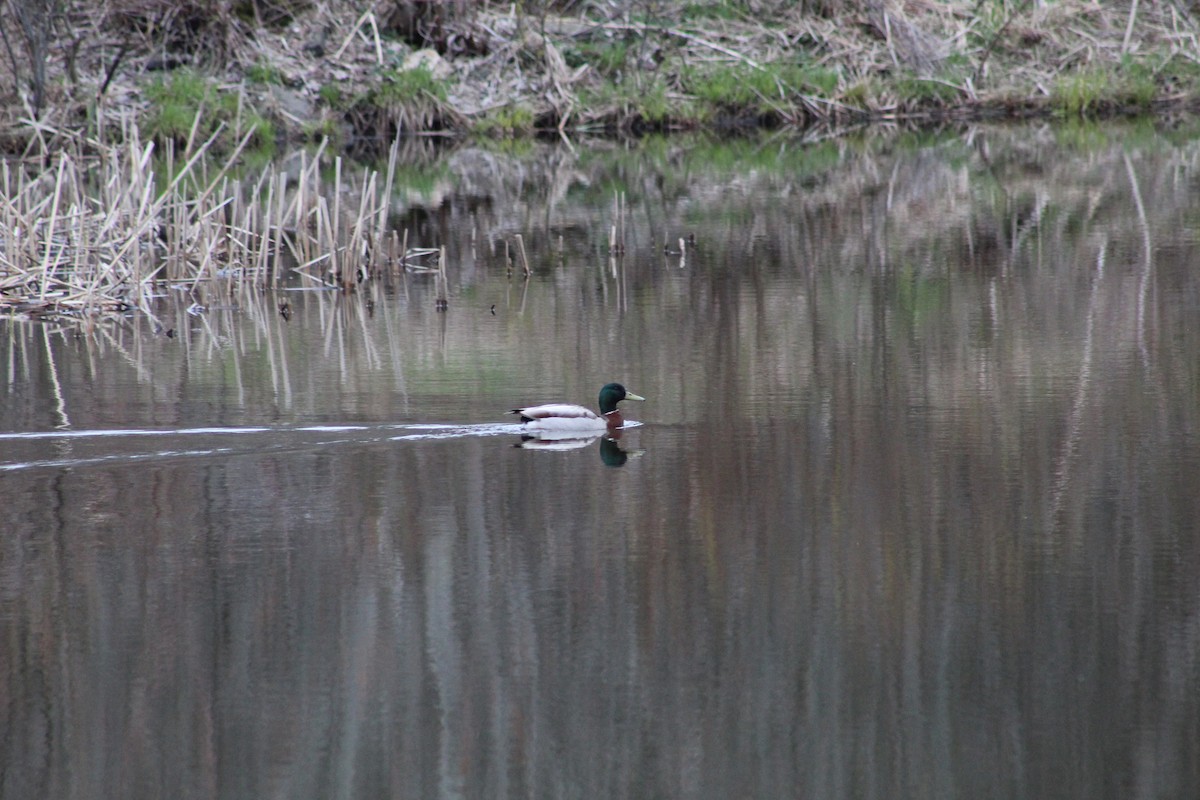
277	439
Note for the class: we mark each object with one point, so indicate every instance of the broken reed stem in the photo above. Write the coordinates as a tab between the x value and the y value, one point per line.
524	258
264	248
361	240
301	215
8	214
442	301
334	236
325	230
62	161
279	224
616	232
385	200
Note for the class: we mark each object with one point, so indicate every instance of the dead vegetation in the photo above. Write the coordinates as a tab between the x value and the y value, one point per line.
108	226
349	71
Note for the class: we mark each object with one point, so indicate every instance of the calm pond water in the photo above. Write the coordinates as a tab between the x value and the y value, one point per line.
913	509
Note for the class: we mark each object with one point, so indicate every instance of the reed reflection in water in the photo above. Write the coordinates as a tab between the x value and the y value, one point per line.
912	512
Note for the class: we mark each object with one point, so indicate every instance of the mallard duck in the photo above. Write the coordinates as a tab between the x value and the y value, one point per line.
561	417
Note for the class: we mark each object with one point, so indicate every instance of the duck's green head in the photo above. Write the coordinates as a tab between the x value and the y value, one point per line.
613	393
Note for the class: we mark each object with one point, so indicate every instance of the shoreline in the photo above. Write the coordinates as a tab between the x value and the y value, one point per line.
330	73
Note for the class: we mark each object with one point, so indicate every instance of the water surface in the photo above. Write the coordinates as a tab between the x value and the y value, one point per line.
912	510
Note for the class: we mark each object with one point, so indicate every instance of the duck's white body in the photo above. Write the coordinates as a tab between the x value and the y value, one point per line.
562	417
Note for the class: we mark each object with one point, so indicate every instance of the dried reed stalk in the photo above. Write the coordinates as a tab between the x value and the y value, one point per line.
98	234
524	258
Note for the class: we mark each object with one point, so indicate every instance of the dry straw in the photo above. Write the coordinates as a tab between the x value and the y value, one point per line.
110	227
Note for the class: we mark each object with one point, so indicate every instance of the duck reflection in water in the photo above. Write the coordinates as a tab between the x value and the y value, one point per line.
611	453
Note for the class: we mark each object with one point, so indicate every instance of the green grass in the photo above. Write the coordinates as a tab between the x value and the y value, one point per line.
742	91
175	101
399	99
1138	85
323	128
331	94
707	11
915	89
990	18
1129	85
861	94
264	74
1079	92
642	103
743	88
654	106
506	121
608	57
401	87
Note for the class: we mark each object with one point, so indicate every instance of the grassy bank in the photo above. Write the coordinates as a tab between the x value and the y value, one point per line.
294	70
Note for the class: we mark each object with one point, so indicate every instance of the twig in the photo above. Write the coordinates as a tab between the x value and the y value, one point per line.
1133	9
691	37
991	45
366	15
112	68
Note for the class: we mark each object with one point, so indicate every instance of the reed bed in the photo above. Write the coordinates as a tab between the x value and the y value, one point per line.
105	227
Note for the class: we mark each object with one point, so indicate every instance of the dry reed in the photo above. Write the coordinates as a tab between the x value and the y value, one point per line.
109	227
